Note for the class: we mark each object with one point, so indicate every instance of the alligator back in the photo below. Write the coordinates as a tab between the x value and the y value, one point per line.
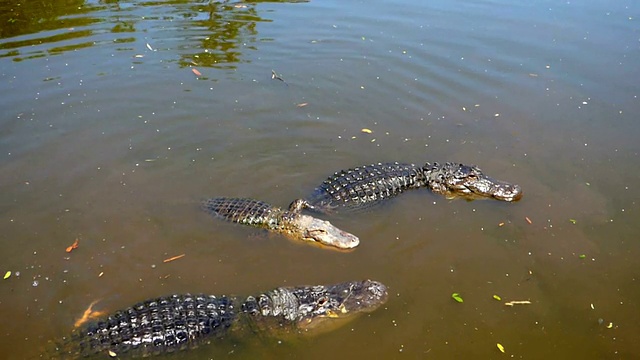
156	326
363	186
245	211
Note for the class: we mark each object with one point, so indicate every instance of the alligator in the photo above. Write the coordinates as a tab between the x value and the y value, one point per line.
292	223
178	322
363	186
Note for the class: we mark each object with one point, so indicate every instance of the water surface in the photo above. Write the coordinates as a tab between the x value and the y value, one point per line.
109	136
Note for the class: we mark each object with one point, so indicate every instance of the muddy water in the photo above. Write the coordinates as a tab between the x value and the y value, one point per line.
109	136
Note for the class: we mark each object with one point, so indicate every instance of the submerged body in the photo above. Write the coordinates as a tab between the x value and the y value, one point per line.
366	185
289	222
179	322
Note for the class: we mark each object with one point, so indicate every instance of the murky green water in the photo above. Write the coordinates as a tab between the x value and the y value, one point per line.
108	135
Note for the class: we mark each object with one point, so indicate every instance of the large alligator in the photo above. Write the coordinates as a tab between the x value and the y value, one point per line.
178	322
289	222
362	186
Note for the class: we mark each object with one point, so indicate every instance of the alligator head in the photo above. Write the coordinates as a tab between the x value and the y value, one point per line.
322	308
468	181
309	228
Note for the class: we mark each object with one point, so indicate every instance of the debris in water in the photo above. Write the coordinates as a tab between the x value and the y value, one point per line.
73	246
457	297
275	75
528	220
195	71
582	256
88	314
500	347
497	297
501	224
7	275
573	221
366	131
149	47
302	104
112	354
173	258
518	302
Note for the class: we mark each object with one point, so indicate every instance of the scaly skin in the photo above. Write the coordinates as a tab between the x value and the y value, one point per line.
469	182
180	322
367	185
290	222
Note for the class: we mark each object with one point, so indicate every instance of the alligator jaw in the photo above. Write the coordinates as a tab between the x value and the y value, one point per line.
468	181
486	187
336	304
325	233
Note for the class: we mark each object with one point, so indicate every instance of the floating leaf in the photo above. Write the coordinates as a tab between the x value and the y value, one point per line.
528	220
7	275
73	246
112	354
457	297
500	347
196	72
582	256
610	325
497	297
573	221
366	131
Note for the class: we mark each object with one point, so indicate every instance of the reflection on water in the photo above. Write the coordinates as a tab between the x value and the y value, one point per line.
215	34
109	136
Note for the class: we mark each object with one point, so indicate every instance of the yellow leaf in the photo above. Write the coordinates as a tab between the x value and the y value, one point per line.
366	131
500	347
497	297
7	274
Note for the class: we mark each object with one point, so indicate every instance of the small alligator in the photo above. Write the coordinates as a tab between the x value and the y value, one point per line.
169	324
290	222
365	185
